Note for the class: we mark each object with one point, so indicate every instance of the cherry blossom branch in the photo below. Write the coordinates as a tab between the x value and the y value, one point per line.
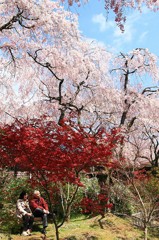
17	18
154	147
150	90
64	106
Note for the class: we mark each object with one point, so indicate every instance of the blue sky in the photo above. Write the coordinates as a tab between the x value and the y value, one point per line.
141	30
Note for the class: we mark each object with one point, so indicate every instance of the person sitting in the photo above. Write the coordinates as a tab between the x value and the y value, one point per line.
23	211
40	209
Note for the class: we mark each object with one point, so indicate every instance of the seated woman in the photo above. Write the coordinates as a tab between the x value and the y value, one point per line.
23	211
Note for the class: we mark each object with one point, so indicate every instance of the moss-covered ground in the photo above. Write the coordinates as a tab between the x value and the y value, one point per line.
82	228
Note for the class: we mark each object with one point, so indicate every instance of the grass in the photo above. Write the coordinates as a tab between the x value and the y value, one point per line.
113	228
82	228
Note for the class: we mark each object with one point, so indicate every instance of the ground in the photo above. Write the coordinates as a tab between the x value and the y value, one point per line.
82	228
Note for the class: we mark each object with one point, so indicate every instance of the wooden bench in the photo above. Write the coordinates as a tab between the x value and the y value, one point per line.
37	220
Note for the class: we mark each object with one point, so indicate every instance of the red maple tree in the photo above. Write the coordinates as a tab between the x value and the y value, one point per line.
53	153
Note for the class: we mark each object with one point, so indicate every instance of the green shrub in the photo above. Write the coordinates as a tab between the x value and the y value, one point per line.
10	189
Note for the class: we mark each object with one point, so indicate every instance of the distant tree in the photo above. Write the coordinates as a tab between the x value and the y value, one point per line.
151	136
143	194
97	205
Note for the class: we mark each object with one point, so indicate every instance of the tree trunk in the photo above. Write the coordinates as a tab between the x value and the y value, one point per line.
68	214
57	232
56	227
145	232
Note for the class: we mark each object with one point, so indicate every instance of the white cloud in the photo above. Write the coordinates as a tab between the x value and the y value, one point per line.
127	35
130	29
129	32
131	26
93	40
103	23
142	36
